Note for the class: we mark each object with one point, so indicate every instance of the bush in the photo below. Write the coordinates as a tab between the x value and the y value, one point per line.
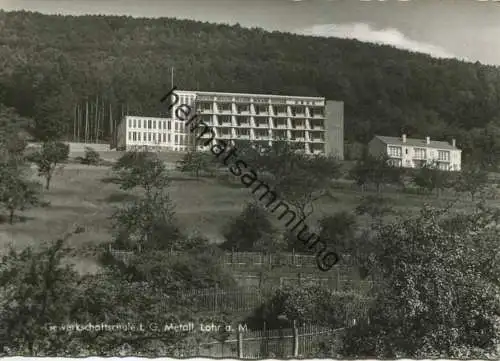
92	157
311	305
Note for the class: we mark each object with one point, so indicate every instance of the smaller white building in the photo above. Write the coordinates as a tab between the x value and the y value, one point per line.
414	153
158	133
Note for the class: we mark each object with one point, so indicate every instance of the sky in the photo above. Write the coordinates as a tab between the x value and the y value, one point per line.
463	29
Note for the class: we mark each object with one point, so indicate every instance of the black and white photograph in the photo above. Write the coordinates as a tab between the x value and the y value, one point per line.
250	179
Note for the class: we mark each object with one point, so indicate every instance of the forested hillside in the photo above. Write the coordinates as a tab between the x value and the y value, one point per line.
50	66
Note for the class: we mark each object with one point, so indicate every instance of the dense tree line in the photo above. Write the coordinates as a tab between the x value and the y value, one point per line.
95	68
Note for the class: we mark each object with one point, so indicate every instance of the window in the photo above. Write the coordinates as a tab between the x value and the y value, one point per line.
169	126
144	136
138	123
135	124
149	123
419	153
149	137
159	137
154	137
394	151
164	125
139	136
154	124
176	140
443	155
164	136
130	123
129	135
168	135
134	136
443	166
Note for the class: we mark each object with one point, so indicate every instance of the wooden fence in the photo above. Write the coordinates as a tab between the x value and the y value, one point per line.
242	299
340	278
222	300
306	341
242	258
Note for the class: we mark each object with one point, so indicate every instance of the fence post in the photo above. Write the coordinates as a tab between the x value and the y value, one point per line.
299	276
240	344
295	339
215	297
293	256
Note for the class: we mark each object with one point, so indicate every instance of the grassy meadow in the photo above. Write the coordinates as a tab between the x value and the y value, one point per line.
80	195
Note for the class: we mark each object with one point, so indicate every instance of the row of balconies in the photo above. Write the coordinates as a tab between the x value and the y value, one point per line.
270	112
315	148
268	137
258	101
264	125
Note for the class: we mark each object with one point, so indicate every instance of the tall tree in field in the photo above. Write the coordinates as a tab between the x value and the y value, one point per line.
148	220
298	178
195	162
430	178
17	192
251	231
472	179
375	170
52	155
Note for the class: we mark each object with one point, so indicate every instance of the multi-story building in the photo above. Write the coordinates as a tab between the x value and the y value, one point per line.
413	153
316	123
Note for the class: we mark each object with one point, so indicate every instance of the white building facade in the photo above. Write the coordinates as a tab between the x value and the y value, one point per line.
316	123
135	132
414	153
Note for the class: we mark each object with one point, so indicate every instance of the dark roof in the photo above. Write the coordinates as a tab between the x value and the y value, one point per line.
417	142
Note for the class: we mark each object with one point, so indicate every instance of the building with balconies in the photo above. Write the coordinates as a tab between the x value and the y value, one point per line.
414	153
315	122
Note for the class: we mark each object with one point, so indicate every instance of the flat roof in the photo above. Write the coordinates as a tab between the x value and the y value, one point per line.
253	95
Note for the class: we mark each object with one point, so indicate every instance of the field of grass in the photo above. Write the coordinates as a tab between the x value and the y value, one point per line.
78	196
